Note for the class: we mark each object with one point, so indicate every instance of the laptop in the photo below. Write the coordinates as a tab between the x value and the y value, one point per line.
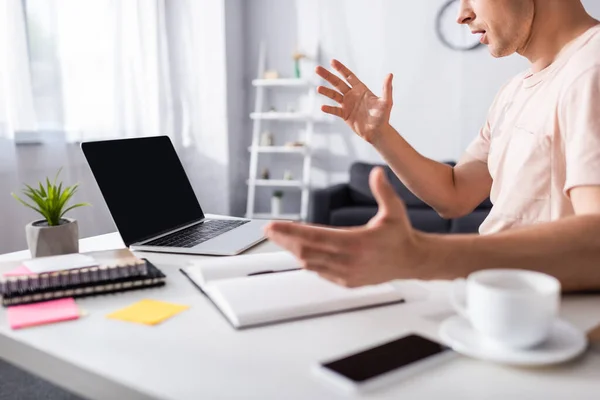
153	204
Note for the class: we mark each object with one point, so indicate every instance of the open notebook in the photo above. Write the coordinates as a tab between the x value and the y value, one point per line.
253	290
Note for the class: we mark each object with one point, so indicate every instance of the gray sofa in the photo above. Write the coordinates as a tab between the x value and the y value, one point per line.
353	204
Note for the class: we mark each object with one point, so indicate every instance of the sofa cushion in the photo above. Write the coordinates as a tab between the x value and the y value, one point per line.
352	216
425	220
486	205
360	192
469	223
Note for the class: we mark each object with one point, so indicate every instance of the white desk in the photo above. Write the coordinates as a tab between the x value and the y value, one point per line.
197	355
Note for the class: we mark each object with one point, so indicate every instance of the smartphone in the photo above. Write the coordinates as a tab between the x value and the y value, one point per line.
383	364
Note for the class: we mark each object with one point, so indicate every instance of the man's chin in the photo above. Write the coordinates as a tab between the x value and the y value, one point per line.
499	53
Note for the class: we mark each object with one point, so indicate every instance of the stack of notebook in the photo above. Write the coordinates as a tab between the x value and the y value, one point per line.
79	275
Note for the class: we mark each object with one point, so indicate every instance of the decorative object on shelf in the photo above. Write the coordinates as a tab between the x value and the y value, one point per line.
271	74
287	175
291	108
265	174
294	144
306	113
452	35
55	234
276	202
297	56
266	139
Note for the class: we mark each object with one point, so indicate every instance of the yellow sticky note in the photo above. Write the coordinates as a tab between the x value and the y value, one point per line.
149	312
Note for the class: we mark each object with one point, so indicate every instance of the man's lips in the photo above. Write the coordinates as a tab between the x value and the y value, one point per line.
483	34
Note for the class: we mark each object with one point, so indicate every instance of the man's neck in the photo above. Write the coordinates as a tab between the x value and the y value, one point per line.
556	24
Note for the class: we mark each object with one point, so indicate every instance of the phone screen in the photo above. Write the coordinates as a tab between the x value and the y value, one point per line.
379	360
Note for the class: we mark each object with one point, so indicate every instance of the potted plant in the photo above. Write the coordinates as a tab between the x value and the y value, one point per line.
54	234
276	202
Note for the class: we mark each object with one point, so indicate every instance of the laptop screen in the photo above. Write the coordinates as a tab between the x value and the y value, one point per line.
144	185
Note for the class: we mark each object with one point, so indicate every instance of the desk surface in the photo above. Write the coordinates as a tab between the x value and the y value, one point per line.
197	355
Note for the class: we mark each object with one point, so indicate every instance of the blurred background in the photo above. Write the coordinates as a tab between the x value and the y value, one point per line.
77	70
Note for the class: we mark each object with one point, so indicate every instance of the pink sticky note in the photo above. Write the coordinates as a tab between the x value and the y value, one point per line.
22	270
46	312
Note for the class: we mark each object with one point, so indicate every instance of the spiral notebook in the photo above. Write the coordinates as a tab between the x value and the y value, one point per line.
116	271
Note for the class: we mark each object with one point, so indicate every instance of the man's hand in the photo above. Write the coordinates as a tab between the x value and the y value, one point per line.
383	250
364	112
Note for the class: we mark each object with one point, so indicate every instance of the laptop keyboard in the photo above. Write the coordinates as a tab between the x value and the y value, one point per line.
196	234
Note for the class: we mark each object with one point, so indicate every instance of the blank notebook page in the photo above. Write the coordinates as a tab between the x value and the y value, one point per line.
289	295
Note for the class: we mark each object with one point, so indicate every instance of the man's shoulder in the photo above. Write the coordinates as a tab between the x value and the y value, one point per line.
507	91
585	63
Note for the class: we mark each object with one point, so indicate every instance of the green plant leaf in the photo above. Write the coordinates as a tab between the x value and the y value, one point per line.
33	191
58	173
29	205
74	206
37	199
42	191
65	197
51	200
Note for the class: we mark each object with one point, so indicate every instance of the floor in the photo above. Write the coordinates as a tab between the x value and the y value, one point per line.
16	384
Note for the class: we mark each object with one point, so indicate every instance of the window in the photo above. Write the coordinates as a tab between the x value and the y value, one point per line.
40	16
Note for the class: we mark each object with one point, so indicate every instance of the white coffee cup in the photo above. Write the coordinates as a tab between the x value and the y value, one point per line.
513	308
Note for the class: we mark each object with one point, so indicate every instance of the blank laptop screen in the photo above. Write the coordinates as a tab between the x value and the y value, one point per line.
144	185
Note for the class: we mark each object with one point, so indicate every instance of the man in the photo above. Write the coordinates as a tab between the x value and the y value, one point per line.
537	157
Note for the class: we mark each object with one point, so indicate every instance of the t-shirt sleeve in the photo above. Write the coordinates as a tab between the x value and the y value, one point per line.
480	146
581	130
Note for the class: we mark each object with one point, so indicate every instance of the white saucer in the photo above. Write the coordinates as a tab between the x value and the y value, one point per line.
565	342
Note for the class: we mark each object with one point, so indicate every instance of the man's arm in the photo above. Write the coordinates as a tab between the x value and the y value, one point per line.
387	248
568	249
452	192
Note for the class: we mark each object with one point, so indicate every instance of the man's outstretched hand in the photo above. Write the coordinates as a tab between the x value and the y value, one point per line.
385	249
363	111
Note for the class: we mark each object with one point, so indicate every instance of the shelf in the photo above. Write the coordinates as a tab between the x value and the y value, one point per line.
282	82
285	116
280	149
277	183
285	217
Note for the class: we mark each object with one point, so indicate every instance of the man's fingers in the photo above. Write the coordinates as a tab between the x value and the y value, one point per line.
388	88
337	111
332	94
335	80
333	278
387	199
331	260
346	73
291	234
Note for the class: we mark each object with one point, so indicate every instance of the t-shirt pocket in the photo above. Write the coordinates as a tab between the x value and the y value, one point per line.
522	164
528	164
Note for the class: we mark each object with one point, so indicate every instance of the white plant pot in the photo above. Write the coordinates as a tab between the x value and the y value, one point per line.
276	205
44	240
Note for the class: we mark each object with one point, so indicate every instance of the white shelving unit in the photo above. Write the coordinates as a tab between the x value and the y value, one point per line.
279	149
261	117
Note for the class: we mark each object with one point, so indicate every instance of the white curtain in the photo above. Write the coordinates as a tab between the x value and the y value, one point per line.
114	61
17	111
198	54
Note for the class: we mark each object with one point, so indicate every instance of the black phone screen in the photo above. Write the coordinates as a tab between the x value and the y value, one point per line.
384	358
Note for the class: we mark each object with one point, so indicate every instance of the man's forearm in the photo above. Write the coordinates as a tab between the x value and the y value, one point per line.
568	249
429	180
